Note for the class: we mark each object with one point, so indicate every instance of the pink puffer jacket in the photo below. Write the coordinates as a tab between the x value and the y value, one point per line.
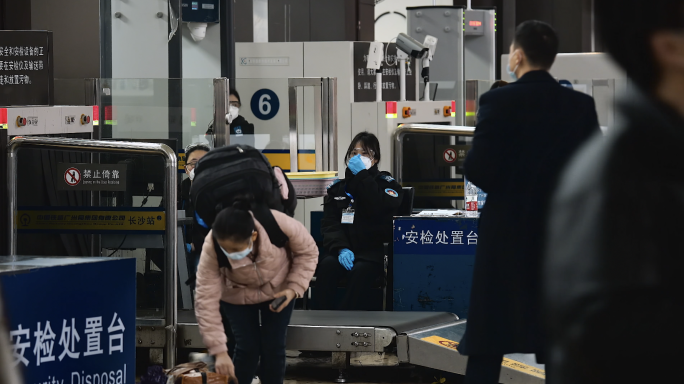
252	282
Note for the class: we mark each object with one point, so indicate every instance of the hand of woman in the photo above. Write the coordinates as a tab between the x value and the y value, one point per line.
356	164
224	365
289	294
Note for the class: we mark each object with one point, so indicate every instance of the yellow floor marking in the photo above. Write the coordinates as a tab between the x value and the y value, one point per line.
508	363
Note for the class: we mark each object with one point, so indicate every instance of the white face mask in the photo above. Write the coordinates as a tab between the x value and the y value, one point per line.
367	162
233	113
191	175
238	255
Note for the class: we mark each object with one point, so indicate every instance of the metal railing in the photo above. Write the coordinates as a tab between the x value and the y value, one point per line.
221	105
325	119
75	145
404	129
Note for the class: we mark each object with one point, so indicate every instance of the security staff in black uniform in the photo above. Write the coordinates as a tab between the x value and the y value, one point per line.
238	125
241	131
194	237
357	221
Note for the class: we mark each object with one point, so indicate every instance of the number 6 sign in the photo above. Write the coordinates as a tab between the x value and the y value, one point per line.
265	104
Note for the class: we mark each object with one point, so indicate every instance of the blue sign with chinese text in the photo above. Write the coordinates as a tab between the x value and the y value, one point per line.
433	263
74	323
431	235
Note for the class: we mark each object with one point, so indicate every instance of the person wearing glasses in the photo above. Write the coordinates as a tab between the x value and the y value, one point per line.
193	238
357	222
241	131
238	126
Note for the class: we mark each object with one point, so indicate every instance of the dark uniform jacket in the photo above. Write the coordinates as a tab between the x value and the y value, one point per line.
377	197
615	256
240	126
526	133
193	235
242	132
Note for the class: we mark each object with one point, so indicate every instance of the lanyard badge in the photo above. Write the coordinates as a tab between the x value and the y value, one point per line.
348	213
348	216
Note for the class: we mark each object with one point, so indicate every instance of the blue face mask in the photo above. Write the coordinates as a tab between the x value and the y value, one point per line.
511	73
238	255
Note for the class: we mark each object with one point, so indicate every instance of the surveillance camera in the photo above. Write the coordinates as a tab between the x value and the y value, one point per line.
198	31
411	46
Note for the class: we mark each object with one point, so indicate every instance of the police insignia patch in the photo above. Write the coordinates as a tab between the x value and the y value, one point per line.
391	192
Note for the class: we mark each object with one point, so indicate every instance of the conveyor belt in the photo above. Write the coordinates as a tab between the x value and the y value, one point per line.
437	348
428	339
400	322
340	331
187	317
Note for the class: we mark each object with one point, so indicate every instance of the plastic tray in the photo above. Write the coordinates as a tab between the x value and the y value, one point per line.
311	175
311	187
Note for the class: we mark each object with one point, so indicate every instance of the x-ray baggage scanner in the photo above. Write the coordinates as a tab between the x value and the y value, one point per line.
427	339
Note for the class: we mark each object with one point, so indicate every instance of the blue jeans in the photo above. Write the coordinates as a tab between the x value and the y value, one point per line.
253	341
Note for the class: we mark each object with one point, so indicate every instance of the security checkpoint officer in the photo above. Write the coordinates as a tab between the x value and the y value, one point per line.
357	222
193	236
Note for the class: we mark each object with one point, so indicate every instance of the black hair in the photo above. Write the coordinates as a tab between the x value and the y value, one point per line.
625	27
194	147
370	144
235	223
539	42
235	93
498	84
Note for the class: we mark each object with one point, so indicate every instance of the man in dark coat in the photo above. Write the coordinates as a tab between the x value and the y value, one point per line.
525	134
615	256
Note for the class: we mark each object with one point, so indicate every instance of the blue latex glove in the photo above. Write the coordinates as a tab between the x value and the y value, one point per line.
346	258
188	247
356	165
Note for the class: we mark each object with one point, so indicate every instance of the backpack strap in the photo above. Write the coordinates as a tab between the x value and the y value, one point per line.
265	217
289	201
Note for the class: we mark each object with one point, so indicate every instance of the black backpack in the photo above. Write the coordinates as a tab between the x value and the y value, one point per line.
227	174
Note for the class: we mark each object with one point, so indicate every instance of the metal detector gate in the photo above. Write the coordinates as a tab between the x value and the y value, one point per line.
152	332
325	121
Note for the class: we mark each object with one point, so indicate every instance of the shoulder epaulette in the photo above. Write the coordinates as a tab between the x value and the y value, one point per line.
387	178
333	183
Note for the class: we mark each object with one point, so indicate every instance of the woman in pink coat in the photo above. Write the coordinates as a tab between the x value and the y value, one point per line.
241	267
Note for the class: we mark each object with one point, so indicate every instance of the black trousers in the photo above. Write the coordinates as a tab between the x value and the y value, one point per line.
359	282
224	310
260	337
483	369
